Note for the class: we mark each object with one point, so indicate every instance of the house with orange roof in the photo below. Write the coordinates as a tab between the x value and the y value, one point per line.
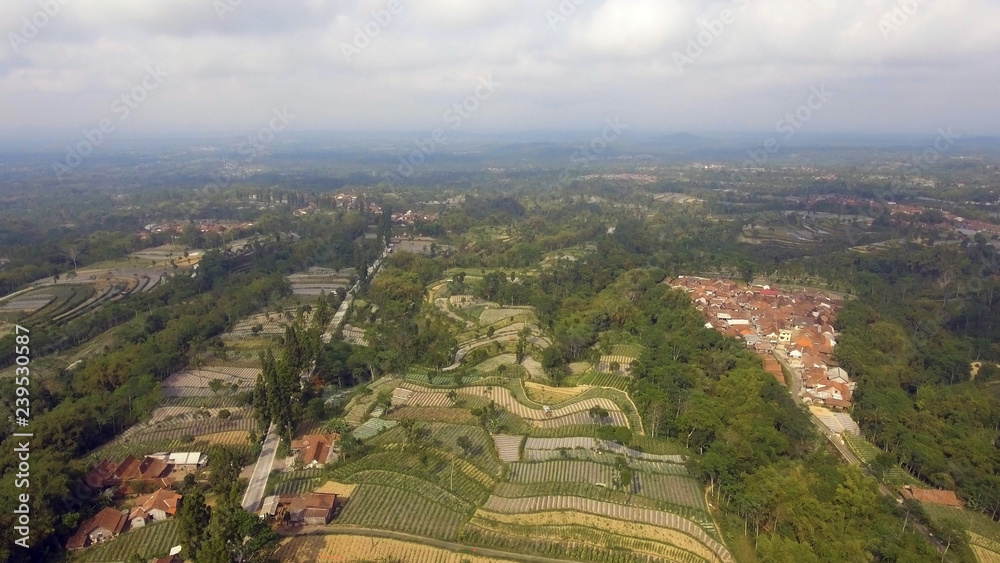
315	450
154	508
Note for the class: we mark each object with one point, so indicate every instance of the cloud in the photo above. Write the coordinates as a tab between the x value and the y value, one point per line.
936	66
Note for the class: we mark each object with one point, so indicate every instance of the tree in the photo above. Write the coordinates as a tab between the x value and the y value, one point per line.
625	475
192	521
466	444
599	413
237	536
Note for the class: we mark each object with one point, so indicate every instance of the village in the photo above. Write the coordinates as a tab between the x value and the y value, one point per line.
793	331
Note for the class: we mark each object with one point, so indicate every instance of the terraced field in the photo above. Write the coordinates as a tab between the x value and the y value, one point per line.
549	444
505	399
298	482
353	548
615	511
584	537
598	379
454	475
867	452
508	447
447	436
195	383
391	508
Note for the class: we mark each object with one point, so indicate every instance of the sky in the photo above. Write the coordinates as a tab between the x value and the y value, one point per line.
818	66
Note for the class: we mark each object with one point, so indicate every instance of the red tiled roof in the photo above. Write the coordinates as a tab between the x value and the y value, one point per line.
164	499
108	519
946	498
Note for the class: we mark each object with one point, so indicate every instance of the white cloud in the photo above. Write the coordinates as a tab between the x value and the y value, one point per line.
939	67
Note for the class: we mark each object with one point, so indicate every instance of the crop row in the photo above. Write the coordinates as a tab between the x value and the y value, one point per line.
605	494
399	510
413	485
574	551
598	445
611	544
508	447
617	511
353	548
599	379
146	542
457	478
444	435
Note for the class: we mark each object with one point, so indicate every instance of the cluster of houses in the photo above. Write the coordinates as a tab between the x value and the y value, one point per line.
353	201
411	217
796	328
311	509
177	227
155	472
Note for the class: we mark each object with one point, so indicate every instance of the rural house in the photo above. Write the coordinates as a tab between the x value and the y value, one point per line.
105	525
154	508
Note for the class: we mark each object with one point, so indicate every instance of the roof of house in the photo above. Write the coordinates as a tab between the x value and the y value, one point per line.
108	519
101	475
930	496
164	499
315	447
313	504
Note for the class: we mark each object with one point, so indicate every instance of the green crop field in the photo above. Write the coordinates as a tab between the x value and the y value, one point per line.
298	482
149	541
390	508
867	452
482	453
460	478
419	487
627	350
598	379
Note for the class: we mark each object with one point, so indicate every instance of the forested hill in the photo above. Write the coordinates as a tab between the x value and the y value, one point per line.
909	339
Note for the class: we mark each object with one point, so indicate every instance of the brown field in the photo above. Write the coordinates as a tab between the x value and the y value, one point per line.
551	395
343	490
433	414
226	438
345	549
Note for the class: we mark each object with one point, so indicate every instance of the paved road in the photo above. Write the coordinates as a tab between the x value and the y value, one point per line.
338	317
258	482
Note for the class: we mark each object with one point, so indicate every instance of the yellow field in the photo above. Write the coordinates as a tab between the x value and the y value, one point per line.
344	549
558	519
226	438
984	555
546	395
342	490
985	549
